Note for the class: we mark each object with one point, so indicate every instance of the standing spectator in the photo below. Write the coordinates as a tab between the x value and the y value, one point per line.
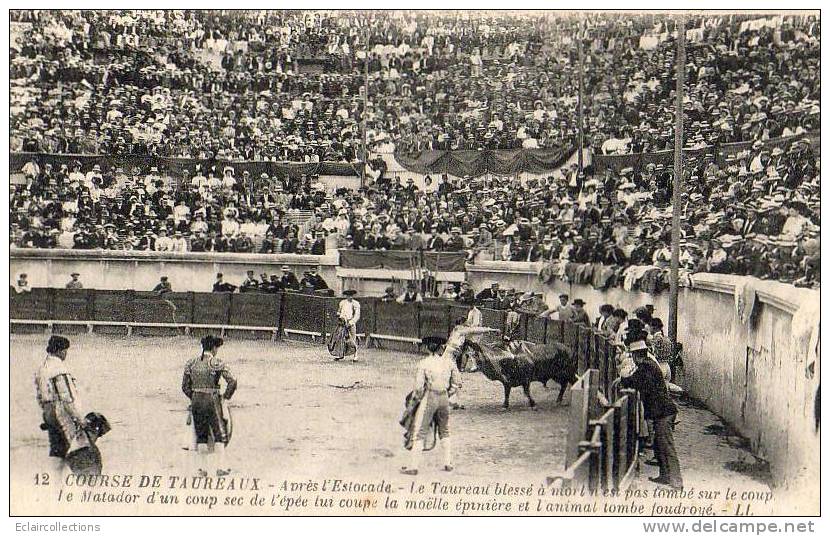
580	316
659	409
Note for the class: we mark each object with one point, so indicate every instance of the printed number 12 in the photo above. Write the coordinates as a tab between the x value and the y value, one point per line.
42	479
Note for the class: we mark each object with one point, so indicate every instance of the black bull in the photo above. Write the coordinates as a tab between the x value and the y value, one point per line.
520	363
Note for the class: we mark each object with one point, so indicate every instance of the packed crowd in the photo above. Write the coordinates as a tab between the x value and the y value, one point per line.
282	85
758	213
747	79
288	85
145	83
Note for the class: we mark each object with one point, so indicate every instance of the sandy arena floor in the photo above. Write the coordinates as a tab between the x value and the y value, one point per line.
293	417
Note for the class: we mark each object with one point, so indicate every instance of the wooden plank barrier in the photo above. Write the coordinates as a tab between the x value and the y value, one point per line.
303	314
536	329
601	452
396	322
33	305
211	309
255	309
73	305
434	319
555	331
493	318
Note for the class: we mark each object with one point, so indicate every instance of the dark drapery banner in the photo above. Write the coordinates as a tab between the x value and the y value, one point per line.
477	163
175	166
616	162
403	260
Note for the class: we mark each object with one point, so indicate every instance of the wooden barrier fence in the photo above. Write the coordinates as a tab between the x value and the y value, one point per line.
284	314
603	435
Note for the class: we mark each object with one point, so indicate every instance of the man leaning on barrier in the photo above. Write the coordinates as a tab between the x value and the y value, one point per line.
659	408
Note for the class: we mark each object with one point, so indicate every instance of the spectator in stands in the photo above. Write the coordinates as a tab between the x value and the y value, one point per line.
22	284
250	283
580	316
605	312
466	294
389	295
450	292
314	280
750	209
660	345
490	293
75	282
613	325
561	311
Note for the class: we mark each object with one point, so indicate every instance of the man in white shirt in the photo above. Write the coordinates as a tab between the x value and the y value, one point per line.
228	181
181	212
199	180
163	242
436	380
348	310
230	227
179	243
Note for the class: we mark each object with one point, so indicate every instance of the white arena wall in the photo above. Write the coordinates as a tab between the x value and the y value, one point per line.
141	270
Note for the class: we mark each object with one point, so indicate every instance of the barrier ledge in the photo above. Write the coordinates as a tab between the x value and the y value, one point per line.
783	296
330	259
385	274
506	267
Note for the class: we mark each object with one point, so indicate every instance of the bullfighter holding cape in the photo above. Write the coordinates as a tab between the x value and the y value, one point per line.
72	436
343	340
437	378
209	414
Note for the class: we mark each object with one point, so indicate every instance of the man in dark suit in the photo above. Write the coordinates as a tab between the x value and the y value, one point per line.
319	245
221	285
289	245
659	408
580	316
250	284
435	242
455	243
314	280
491	293
288	280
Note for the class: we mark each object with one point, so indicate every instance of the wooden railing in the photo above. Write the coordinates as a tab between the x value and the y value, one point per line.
603	433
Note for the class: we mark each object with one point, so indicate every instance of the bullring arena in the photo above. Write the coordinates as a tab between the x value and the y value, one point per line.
627	202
